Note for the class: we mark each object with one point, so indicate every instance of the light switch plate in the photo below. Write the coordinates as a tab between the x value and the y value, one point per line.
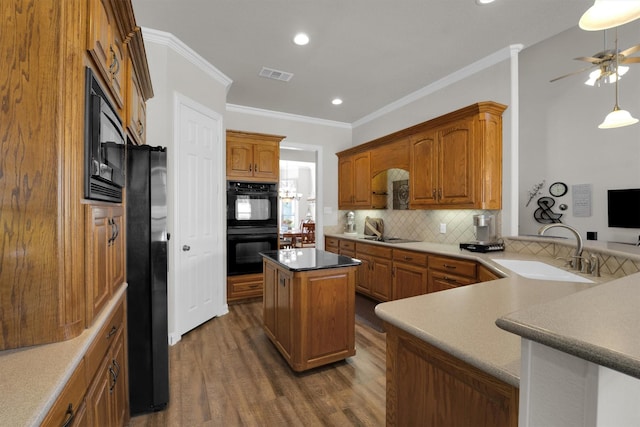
443	227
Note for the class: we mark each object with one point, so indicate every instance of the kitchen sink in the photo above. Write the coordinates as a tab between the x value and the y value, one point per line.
540	271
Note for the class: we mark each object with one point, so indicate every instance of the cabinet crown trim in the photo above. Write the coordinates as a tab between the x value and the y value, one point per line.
473	109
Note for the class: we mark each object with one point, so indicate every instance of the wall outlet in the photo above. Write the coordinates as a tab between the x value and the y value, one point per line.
443	227
592	235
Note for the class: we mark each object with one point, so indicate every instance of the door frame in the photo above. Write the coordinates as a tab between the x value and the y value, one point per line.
318	149
179	100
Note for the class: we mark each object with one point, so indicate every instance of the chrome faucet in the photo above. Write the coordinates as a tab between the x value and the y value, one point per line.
576	259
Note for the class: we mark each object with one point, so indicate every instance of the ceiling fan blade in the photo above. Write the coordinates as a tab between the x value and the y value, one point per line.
633	60
631	50
573	73
592	59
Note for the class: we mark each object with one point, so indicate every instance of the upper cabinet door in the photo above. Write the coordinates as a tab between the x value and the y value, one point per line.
239	159
423	169
107	49
456	166
266	161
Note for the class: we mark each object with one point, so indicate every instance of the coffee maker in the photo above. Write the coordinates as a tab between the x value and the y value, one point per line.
485	233
485	229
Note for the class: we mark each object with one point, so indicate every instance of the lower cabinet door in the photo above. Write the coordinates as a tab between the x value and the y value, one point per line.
99	397
119	386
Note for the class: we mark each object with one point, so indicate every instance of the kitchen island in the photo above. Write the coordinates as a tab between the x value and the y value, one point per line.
309	305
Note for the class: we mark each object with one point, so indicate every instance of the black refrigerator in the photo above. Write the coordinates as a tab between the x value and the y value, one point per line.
146	202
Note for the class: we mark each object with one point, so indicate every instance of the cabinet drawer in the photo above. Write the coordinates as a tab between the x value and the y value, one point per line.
411	257
375	250
454	266
451	280
70	400
104	339
347	245
331	244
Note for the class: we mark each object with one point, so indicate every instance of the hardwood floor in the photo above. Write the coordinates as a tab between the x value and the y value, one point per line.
227	373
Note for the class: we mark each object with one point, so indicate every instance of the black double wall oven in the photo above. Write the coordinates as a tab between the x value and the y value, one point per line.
252	225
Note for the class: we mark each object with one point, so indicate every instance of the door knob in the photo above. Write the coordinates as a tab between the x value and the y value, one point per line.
186	248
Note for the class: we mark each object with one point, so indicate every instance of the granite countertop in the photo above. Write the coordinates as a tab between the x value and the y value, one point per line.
307	259
594	321
31	378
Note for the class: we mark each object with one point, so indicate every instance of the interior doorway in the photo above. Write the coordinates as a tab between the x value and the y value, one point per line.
300	189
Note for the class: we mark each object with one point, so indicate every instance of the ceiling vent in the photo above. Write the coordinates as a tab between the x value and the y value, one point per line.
270	73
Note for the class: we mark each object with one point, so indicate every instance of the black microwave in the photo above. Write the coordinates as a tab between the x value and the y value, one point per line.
104	145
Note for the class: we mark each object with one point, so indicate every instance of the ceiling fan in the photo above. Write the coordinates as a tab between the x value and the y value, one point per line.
605	63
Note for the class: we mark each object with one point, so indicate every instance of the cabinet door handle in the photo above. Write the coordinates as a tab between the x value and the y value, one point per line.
439	193
140	128
282	281
70	416
186	248
250	166
112	332
114	378
255	167
114	68
434	194
408	258
451	267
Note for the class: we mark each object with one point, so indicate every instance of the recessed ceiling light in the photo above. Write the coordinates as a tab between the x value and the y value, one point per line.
483	2
301	39
336	101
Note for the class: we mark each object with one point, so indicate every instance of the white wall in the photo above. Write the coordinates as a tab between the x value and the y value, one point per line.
172	72
559	137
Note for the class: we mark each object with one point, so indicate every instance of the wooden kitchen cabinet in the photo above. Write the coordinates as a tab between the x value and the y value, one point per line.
105	255
427	387
332	244
486	275
70	402
310	315
354	181
348	248
375	272
253	156
107	397
107	48
277	302
456	160
409	273
448	273
244	286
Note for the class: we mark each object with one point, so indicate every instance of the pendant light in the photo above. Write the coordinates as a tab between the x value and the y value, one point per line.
609	13
617	118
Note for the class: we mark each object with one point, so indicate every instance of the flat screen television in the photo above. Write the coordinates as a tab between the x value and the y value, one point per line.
624	208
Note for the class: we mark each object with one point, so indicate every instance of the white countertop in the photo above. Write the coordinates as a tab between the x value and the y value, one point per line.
31	378
599	322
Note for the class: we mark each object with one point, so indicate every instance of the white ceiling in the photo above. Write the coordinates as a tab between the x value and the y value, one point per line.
367	52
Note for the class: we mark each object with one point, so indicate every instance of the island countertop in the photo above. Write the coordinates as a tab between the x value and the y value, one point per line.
306	259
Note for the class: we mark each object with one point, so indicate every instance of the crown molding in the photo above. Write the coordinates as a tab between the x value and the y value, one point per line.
486	62
286	116
178	46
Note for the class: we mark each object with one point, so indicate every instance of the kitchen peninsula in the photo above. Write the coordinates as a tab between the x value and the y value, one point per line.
447	344
309	305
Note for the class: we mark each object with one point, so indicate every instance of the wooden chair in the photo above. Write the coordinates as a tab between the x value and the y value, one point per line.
308	239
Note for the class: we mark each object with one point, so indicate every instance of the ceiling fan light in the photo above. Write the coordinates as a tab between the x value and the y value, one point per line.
593	77
609	13
617	118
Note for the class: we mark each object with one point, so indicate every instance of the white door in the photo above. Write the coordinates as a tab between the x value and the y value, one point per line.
199	244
